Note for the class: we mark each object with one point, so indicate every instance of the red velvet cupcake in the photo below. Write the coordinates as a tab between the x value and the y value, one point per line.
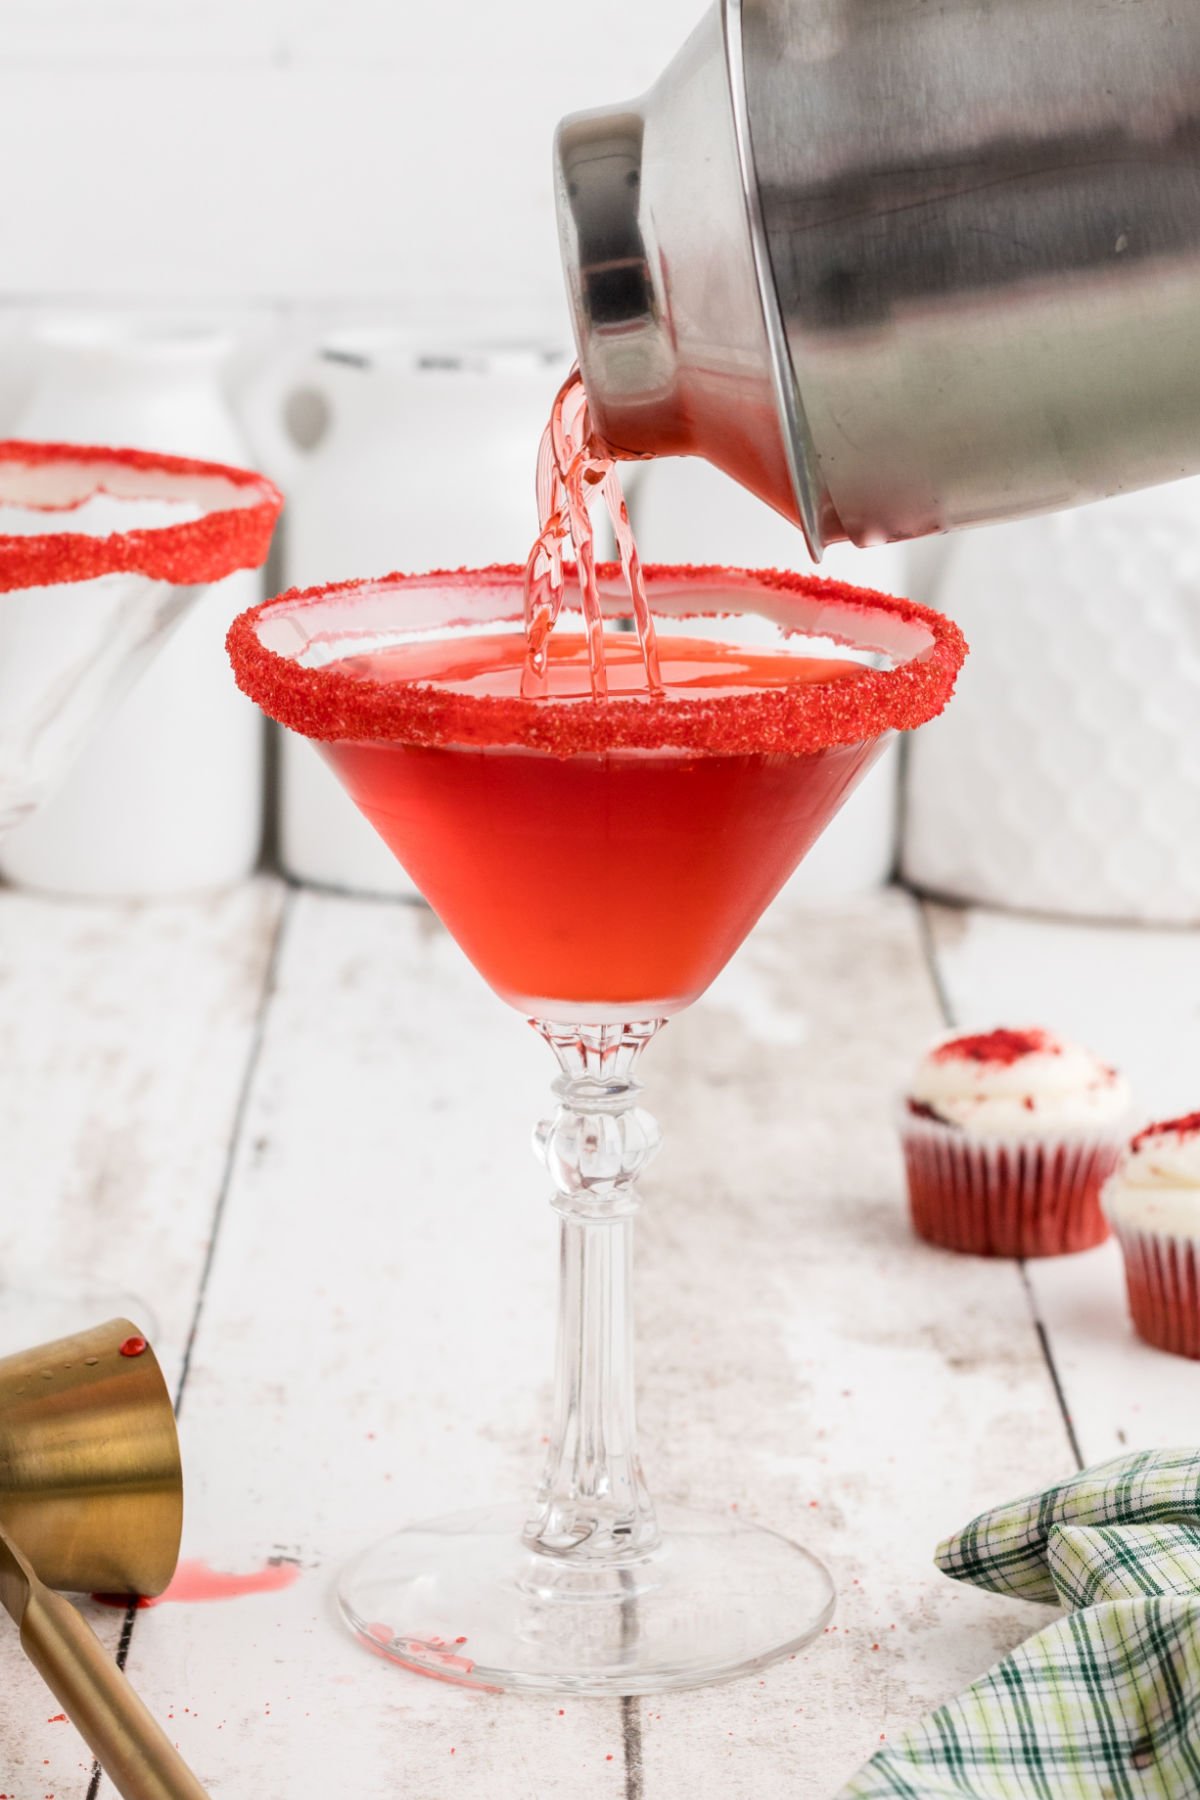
1153	1204
1009	1136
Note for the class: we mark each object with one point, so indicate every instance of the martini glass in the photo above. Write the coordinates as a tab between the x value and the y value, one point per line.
101	553
599	861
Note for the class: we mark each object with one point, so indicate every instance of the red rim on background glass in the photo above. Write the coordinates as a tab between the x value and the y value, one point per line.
237	512
101	553
599	860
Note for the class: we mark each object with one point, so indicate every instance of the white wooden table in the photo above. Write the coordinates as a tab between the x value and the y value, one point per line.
298	1124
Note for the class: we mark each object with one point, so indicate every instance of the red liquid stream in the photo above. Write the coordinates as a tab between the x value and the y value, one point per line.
571	465
616	879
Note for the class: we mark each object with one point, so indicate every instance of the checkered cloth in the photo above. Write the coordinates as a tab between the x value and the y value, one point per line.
1102	1705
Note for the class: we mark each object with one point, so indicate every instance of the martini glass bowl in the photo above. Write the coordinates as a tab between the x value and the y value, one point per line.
101	553
599	861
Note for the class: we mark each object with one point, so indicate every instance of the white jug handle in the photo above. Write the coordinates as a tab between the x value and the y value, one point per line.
262	406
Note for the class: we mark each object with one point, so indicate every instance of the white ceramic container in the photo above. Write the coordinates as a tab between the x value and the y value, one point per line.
378	491
1065	776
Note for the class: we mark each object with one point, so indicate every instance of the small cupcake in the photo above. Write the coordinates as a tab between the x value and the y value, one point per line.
1153	1204
1008	1138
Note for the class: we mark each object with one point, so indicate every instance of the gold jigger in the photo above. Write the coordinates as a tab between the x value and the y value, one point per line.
91	1500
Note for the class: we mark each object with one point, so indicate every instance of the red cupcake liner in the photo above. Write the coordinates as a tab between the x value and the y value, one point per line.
1162	1275
1007	1196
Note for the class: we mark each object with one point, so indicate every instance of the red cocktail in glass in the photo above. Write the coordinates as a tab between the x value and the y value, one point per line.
600	859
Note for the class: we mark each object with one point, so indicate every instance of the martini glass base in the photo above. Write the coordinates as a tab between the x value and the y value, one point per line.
463	1599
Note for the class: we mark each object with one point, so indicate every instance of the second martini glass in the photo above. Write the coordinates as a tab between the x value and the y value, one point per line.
599	861
101	553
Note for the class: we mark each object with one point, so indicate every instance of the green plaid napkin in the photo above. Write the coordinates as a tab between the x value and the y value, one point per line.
1105	1703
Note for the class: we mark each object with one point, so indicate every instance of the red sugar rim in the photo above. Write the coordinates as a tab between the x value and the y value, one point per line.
1187	1126
328	705
233	533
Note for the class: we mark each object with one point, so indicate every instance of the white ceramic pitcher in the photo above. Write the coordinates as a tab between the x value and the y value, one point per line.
168	798
392	420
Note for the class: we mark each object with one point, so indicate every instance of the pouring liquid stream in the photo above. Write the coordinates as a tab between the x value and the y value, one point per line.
571	465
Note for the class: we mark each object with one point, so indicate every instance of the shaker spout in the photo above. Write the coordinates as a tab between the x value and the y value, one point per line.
681	344
899	270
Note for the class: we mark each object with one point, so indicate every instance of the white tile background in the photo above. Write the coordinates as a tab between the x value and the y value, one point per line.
302	150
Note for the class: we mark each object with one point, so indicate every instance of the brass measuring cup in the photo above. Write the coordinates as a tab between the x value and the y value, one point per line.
91	1501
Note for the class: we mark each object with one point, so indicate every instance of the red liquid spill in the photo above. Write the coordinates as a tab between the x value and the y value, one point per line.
196	1581
533	861
424	1657
134	1346
1003	1047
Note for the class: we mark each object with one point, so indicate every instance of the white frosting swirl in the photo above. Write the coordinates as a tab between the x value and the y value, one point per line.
1156	1184
1019	1083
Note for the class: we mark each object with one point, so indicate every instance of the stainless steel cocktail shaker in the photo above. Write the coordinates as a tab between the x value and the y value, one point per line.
900	265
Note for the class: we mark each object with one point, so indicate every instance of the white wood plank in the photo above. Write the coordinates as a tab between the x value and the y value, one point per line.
1133	995
807	1359
375	1346
124	1036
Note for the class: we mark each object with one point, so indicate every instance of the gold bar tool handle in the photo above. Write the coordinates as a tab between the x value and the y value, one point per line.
126	1740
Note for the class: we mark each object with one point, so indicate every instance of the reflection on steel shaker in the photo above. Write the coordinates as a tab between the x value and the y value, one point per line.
900	268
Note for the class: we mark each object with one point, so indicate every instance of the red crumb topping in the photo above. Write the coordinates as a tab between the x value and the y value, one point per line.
921	1109
1184	1127
234	532
326	703
1003	1047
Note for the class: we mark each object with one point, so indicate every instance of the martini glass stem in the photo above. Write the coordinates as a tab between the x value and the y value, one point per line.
593	1508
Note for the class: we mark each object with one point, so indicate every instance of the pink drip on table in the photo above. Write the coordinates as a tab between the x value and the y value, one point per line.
196	1581
431	1657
